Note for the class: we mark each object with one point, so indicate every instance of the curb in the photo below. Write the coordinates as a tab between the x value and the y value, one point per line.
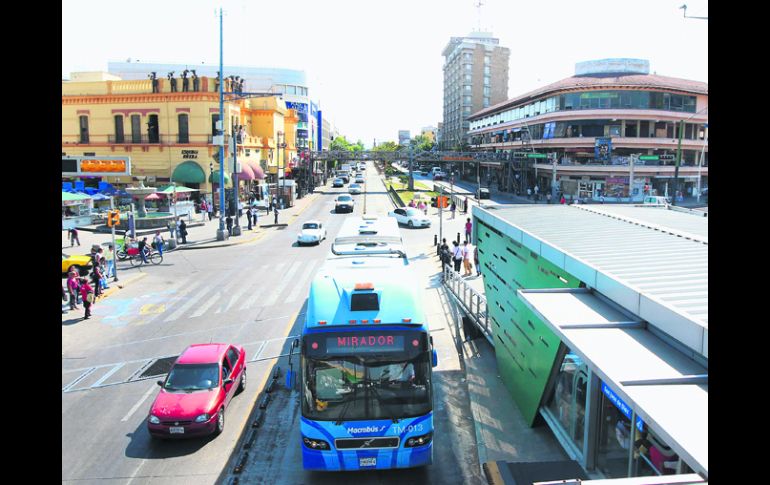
191	248
121	284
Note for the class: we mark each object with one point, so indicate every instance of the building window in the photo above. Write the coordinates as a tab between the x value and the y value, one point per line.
486	70
119	135
487	60
486	90
468	78
153	133
486	101
468	67
84	129
184	129
136	129
214	119
486	80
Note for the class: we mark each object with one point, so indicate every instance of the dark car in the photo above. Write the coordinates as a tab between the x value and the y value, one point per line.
482	193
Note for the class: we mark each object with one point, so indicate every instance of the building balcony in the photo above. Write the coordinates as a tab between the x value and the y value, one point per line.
579	142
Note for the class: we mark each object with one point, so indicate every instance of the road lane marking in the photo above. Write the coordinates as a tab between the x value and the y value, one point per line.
108	374
79	378
244	285
284	283
311	268
139	403
207	286
250	301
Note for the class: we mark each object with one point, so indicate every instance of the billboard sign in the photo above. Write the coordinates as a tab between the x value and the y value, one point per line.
95	166
603	148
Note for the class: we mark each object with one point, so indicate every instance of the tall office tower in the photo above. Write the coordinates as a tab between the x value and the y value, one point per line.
475	77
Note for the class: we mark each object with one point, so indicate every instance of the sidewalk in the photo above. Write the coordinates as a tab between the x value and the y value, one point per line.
200	235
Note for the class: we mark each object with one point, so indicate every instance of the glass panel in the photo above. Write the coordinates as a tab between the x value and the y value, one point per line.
136	129
119	136
614	437
568	402
184	135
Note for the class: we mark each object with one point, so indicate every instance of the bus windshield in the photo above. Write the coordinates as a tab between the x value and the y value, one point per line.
371	387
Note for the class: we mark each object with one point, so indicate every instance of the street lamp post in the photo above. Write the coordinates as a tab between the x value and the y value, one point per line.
221	235
234	147
281	166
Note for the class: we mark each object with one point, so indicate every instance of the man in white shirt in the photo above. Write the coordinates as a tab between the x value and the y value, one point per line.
457	255
467	255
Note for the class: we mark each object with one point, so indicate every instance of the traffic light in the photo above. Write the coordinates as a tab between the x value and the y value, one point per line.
113	218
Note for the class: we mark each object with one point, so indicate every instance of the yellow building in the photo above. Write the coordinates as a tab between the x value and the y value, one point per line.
168	133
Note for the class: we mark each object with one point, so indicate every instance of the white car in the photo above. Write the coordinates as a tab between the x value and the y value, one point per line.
360	179
313	232
411	217
354	189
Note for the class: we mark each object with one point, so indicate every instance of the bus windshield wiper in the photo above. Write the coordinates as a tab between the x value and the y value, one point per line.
346	405
371	385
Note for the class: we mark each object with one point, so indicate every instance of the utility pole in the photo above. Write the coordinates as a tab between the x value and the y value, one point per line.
411	174
678	161
220	131
234	147
702	154
114	248
631	178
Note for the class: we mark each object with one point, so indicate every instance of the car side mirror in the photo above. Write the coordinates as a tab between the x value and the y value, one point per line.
229	380
160	383
434	358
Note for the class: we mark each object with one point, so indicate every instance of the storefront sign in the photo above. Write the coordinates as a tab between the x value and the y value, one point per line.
603	148
300	107
617	180
622	406
95	166
189	153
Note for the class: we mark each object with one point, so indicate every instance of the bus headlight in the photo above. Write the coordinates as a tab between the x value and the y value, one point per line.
314	444
418	440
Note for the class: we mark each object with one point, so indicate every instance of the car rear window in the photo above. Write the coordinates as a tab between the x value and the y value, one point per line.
344	198
310	225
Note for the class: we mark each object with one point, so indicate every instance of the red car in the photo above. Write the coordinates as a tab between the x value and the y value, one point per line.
197	390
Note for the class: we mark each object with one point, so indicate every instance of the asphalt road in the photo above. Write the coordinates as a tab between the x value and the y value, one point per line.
251	294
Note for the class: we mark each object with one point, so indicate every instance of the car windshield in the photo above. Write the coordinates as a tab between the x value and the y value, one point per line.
310	225
192	377
355	387
354	186
413	212
344	198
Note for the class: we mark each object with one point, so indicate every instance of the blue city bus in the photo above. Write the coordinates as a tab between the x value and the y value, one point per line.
366	360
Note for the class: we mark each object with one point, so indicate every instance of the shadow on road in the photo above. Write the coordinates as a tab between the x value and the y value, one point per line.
142	445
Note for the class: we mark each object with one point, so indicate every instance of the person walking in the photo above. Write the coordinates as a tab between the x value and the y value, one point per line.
210	210
229	224
548	197
466	252
204	210
73	288
96	280
109	257
172	229
248	218
275	211
444	254
74	237
465	206
88	297
476	260
529	193
562	201
453	208
158	241
468	229
457	255
273	203
183	231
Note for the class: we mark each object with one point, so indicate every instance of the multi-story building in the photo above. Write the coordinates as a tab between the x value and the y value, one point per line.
168	133
429	132
404	137
475	76
611	121
291	84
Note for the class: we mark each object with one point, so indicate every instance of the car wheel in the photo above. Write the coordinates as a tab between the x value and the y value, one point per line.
242	384
410	224
220	421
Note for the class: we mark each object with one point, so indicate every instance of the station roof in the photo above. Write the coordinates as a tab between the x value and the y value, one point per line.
668	390
643	263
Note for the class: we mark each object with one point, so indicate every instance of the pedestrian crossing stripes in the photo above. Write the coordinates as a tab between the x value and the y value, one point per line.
273	298
300	286
208	285
250	298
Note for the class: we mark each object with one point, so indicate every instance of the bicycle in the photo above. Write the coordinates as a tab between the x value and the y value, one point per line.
152	256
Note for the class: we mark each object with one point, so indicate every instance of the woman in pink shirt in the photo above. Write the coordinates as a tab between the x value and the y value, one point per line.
72	289
88	296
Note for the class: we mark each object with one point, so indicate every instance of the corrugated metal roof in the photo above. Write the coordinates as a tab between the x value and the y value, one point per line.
648	269
675	221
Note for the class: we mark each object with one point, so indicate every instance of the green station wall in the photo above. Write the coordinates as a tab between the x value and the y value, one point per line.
525	347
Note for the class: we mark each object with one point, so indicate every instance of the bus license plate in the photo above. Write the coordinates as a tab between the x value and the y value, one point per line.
367	461
176	430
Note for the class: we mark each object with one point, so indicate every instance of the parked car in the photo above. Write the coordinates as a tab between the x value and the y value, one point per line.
411	217
439	176
311	232
338	183
344	203
196	391
80	262
482	193
657	200
354	189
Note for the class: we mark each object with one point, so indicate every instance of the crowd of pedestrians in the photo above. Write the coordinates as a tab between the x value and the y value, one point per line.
86	288
465	256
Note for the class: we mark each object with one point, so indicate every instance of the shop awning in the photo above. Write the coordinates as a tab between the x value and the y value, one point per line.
178	189
246	173
70	196
668	390
189	172
215	177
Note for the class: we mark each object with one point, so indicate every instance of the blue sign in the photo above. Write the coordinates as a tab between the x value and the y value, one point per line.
300	107
622	406
603	149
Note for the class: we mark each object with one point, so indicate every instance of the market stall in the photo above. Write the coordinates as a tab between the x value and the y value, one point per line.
75	209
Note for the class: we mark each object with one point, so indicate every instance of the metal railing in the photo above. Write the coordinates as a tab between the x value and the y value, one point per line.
473	304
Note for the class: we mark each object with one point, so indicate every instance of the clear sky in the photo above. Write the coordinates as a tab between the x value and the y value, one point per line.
376	66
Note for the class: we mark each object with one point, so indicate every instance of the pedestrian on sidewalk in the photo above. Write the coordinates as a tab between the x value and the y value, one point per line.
210	209
562	201
142	247
73	288
529	193
96	280
229	224
274	203
103	274
548	197
74	237
88	297
275	211
109	257
183	231
465	206
158	243
172	229
467	258
468	229
457	255
255	215
248	218
476	261
204	210
453	208
444	255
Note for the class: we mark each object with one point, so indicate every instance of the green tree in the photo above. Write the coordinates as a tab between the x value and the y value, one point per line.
422	142
340	144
